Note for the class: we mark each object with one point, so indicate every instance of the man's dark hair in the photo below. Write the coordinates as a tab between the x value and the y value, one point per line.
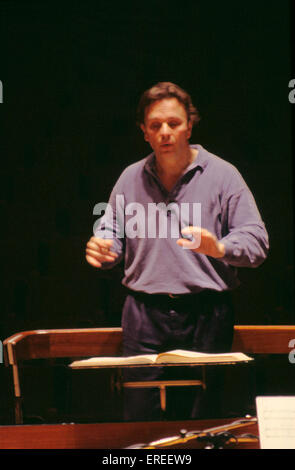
164	90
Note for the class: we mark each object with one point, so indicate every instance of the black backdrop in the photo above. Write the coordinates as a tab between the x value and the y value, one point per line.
72	74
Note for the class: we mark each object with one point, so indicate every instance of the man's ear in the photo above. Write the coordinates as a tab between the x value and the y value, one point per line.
142	126
190	128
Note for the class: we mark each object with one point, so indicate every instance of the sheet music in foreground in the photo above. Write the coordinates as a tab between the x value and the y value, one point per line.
276	422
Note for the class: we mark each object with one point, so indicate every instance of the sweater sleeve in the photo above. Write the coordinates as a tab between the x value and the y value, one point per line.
111	224
245	238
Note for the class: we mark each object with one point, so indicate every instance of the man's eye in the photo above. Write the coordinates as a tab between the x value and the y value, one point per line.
155	125
173	124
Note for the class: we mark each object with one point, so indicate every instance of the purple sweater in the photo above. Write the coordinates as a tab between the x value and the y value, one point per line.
211	192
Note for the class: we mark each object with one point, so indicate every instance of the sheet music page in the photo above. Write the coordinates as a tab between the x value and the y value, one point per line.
276	422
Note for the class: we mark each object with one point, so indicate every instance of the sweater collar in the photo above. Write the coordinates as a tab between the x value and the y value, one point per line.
200	162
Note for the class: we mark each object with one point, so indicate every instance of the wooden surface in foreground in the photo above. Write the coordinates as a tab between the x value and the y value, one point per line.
113	435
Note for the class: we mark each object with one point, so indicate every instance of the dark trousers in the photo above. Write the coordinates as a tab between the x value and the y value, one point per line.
154	323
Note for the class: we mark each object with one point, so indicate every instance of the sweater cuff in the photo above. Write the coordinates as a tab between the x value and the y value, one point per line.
232	251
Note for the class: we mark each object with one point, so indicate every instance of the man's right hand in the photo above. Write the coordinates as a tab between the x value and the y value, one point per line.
98	252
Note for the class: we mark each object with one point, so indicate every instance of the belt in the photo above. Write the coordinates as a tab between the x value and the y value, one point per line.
205	293
144	297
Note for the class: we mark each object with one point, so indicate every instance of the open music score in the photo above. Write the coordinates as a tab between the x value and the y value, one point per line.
174	357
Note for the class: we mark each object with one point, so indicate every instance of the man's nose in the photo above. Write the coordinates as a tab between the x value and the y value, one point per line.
165	129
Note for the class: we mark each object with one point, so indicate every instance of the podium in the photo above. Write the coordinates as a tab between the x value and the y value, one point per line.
90	342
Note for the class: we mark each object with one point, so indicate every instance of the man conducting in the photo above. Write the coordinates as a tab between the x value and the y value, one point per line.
179	287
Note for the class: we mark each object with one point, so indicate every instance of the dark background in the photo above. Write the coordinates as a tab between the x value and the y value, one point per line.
72	74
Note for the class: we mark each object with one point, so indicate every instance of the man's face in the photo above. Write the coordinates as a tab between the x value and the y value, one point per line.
166	127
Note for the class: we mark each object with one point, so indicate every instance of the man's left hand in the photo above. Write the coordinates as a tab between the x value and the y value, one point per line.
203	242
